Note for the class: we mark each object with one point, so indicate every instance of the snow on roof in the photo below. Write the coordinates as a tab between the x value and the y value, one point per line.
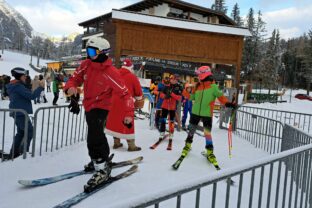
183	24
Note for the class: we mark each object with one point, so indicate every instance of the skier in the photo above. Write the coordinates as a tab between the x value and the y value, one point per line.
56	88
187	103
114	125
20	98
159	100
171	94
204	95
42	84
101	79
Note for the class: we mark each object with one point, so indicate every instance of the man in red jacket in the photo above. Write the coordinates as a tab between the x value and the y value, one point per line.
101	79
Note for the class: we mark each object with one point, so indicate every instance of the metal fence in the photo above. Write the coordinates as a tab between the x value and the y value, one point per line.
293	138
263	132
56	127
300	120
268	182
8	131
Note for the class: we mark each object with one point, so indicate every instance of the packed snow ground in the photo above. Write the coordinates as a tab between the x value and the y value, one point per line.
155	174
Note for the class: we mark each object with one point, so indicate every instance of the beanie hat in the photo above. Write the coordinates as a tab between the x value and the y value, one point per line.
18	72
127	64
203	72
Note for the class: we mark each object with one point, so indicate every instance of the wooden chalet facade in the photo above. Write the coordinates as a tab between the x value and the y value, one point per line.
159	32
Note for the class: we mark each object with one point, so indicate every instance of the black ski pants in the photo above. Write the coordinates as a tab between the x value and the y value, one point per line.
97	142
207	123
164	115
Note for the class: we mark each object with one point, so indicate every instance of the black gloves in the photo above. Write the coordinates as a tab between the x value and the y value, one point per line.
231	105
74	104
167	91
129	125
177	89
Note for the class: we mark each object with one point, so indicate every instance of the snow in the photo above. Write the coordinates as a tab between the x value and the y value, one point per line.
155	176
12	59
149	19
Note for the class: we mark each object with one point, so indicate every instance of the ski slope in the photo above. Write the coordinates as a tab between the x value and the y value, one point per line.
15	59
155	175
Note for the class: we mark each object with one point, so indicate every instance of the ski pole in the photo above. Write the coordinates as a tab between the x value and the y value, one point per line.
230	131
230	139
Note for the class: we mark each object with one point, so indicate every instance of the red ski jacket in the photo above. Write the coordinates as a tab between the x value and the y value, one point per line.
170	103
100	81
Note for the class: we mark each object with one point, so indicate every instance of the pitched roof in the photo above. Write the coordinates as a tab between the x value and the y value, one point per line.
179	23
145	4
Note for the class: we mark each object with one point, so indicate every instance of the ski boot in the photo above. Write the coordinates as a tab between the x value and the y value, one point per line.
211	157
186	149
103	170
184	127
89	167
170	141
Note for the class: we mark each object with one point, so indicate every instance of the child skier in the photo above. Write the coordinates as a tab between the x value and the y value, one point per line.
204	96
187	103
171	94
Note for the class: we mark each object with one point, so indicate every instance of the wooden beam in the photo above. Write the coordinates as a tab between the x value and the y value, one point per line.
118	45
238	67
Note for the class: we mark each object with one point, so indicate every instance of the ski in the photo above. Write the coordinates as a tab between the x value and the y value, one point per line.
177	164
158	142
169	147
217	167
54	179
83	195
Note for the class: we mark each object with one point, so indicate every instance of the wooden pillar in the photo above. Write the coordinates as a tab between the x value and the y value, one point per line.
118	45
238	66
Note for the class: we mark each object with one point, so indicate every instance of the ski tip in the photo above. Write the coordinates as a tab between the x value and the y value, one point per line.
152	147
25	183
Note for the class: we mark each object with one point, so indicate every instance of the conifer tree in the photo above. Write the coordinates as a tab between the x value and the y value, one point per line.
219	6
236	15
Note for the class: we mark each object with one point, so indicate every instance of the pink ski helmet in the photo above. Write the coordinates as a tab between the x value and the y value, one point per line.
203	72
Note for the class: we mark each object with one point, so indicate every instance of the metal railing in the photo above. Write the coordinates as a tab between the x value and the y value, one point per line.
300	120
56	127
8	130
268	182
263	132
293	138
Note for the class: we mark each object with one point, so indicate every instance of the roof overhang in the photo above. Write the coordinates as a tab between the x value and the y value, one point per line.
181	24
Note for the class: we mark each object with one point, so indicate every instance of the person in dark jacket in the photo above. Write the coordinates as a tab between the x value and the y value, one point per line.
20	98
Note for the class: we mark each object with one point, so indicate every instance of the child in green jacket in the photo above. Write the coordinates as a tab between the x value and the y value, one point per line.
204	96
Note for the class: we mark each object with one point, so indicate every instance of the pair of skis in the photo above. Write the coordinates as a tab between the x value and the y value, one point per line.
83	195
177	164
169	147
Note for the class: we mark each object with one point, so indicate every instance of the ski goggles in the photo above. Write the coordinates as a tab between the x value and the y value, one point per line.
93	52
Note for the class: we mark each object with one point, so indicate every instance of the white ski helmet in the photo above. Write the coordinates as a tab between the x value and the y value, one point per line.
100	43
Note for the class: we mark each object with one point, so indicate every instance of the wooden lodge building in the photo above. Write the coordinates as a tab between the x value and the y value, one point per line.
170	36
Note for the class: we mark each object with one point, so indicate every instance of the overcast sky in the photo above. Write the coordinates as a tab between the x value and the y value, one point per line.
61	17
